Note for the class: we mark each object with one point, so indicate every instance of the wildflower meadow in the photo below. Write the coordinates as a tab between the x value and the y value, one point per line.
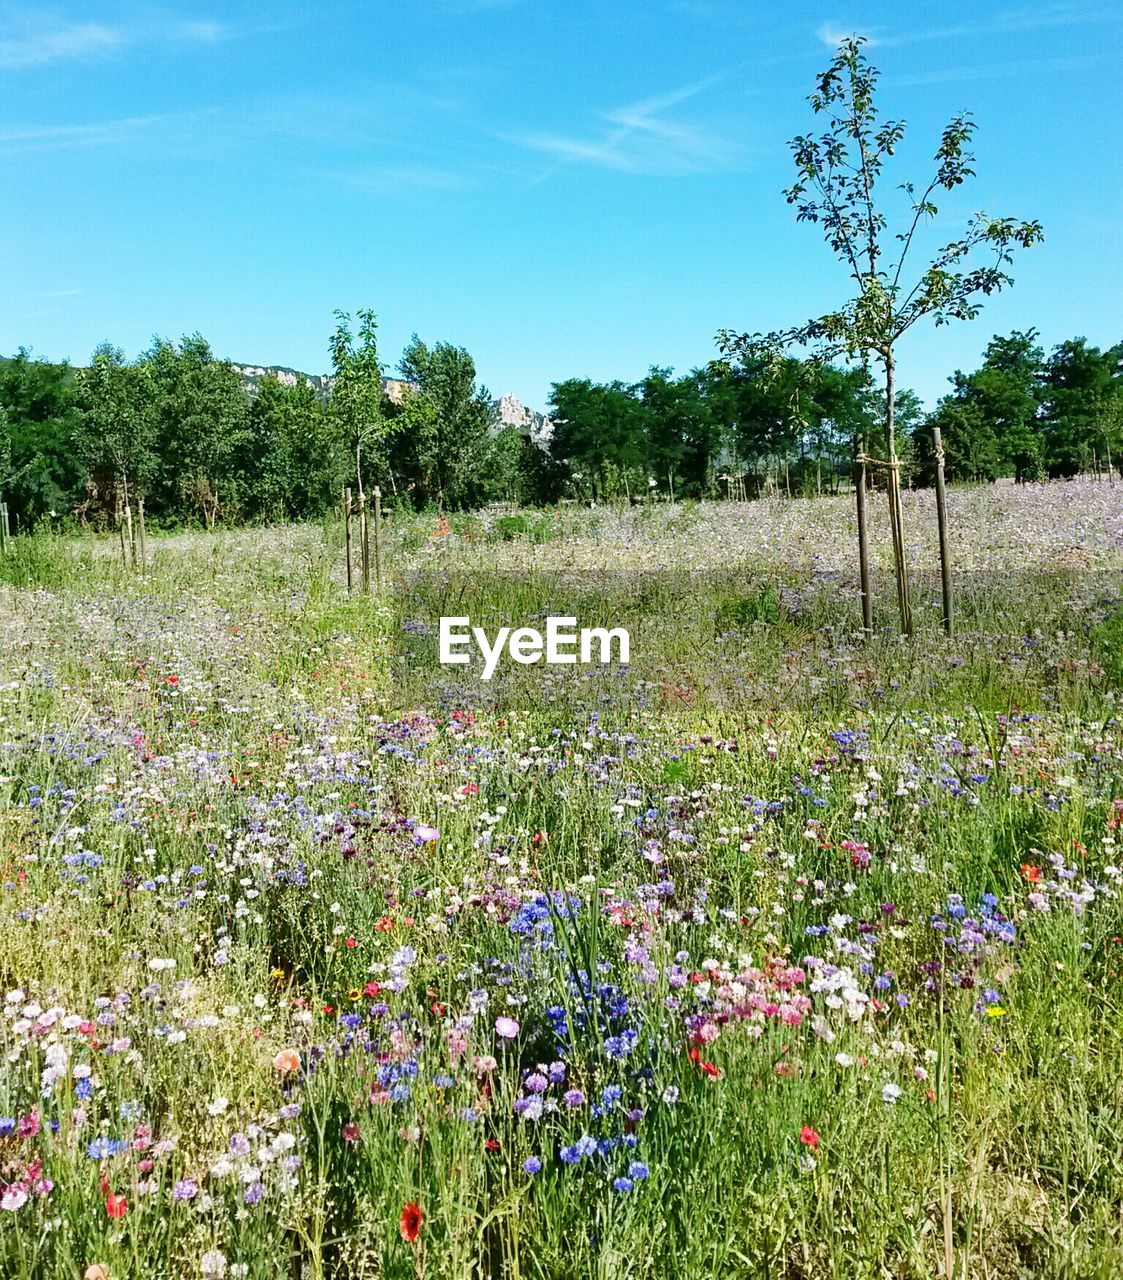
777	952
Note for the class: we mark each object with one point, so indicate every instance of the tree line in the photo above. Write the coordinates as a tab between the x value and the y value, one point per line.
182	429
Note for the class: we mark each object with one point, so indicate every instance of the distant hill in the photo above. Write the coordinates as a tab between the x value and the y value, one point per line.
507	411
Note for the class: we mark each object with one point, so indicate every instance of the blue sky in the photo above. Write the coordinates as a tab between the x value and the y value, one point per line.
565	187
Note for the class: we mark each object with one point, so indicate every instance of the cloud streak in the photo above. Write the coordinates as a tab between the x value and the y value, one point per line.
639	138
31	41
1008	22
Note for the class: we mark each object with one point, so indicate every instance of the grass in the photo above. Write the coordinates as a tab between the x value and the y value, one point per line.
779	953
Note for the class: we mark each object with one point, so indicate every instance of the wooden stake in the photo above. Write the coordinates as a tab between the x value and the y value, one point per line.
942	521
140	533
378	537
364	543
129	530
4	532
863	539
121	532
347	534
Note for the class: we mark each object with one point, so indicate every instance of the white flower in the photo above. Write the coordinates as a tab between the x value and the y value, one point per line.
217	1106
890	1093
213	1264
844	1059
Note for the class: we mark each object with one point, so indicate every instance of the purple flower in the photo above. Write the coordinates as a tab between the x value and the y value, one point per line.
532	1165
185	1189
573	1098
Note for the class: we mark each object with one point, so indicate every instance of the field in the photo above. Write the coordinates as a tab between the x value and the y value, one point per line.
778	953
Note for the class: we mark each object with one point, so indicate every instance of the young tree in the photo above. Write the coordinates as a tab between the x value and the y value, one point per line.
116	422
356	394
837	186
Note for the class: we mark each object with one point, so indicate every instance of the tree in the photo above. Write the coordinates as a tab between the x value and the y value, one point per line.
356	394
293	464
201	421
444	423
1080	385
114	434
989	422
44	473
836	186
599	433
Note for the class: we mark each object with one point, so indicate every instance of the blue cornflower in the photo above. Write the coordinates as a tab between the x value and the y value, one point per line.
104	1148
637	1170
532	1165
622	1184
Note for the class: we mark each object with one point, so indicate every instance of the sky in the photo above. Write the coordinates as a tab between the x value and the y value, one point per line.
568	188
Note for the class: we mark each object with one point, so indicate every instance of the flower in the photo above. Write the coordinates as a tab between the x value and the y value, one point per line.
96	1271
213	1264
409	1224
350	1133
890	1093
425	835
116	1206
185	1189
14	1197
532	1165
286	1061
809	1137
506	1028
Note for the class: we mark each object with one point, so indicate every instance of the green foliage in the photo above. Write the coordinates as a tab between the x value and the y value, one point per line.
356	397
293	462
43	472
442	440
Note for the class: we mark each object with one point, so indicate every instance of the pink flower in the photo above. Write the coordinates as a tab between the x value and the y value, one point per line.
287	1060
506	1028
14	1197
425	835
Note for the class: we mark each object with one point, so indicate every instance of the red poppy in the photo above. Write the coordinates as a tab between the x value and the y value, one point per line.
350	943
409	1224
809	1137
1031	873
116	1206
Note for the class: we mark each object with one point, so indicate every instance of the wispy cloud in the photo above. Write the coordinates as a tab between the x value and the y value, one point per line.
1005	22
31	40
40	137
1000	70
639	138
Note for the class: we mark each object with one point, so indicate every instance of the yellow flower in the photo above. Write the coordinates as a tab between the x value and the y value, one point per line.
996	1011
